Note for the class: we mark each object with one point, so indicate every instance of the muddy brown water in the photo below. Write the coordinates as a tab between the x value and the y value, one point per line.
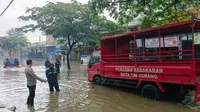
76	95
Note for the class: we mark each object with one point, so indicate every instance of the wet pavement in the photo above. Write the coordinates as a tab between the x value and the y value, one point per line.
76	95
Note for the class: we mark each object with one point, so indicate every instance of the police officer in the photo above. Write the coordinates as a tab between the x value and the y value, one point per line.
52	79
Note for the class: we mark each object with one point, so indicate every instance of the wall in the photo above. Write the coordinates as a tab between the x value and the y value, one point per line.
50	41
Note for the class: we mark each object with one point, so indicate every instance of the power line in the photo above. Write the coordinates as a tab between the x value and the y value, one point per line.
7	7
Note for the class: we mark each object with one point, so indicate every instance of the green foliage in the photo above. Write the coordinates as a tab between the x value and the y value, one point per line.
73	22
70	23
146	11
13	40
104	27
60	20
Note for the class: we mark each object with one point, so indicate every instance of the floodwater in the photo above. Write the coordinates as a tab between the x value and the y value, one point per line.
76	95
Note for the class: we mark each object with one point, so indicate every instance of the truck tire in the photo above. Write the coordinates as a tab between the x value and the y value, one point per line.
97	80
151	91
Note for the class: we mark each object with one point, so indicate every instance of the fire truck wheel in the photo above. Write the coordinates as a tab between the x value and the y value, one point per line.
97	80
151	91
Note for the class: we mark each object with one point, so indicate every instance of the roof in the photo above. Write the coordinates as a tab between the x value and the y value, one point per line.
169	28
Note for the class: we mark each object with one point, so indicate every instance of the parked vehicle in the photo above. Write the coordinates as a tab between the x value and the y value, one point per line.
84	59
163	59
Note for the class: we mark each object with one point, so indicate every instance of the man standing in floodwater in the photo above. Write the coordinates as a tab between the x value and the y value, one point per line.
63	58
57	64
31	82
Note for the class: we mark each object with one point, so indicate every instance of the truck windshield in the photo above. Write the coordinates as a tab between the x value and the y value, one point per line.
94	59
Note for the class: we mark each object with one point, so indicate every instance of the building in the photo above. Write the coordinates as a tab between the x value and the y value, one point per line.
39	50
50	41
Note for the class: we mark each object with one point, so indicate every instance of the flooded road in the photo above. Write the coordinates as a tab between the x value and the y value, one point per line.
76	95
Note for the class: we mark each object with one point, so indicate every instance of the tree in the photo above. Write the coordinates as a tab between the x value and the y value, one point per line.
70	22
14	32
104	28
13	40
145	11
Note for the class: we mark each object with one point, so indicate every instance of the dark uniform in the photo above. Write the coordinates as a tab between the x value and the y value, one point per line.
52	79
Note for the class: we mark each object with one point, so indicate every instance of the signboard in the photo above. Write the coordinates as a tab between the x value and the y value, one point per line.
150	73
154	43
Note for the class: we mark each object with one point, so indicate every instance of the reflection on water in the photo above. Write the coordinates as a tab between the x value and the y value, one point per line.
76	95
31	108
53	102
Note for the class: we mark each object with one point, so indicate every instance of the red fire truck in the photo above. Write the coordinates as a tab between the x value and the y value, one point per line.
163	59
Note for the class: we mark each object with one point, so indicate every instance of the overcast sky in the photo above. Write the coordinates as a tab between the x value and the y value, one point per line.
10	18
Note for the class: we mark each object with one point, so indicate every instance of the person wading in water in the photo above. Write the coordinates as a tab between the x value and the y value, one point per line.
52	77
47	62
31	82
57	64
